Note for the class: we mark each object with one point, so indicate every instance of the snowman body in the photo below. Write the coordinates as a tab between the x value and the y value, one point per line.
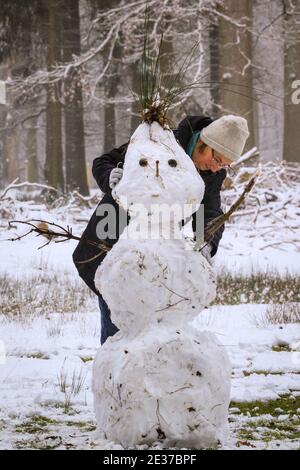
159	378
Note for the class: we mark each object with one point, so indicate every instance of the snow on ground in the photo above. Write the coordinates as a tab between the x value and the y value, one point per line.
263	234
46	357
46	399
241	252
45	381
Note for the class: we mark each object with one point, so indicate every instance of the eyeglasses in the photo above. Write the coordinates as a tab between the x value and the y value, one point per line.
225	166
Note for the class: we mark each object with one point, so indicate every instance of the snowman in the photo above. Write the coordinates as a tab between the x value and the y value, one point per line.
159	378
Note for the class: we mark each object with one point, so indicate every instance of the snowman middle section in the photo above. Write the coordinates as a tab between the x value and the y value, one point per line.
148	282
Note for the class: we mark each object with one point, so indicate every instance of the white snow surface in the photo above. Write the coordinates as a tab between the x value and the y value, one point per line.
30	385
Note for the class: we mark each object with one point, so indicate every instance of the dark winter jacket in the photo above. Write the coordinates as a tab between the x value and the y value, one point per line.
87	258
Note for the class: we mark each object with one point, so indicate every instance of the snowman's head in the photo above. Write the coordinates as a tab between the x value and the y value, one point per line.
158	171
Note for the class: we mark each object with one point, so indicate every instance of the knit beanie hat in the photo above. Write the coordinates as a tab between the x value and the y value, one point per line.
226	135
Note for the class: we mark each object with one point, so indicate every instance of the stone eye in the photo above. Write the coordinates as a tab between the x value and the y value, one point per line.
172	162
143	162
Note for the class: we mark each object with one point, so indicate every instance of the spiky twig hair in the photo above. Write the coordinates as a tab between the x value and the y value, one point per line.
157	92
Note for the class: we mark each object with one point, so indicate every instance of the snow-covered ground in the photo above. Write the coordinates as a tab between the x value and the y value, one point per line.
46	355
46	399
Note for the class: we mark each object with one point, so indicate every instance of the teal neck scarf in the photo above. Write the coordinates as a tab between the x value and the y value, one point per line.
192	143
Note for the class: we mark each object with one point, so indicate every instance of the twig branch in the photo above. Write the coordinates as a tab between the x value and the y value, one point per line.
41	227
2	195
173	292
247	156
171	305
213	226
13	185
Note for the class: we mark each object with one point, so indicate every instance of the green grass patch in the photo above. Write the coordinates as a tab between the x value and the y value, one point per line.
86	358
281	434
261	372
45	443
87	426
45	432
37	355
262	422
245	434
68	410
281	348
287	404
266	372
35	424
269	430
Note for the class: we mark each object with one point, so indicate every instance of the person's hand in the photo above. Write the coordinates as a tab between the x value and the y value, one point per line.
115	176
206	252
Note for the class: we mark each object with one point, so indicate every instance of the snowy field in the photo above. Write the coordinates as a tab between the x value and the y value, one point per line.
50	330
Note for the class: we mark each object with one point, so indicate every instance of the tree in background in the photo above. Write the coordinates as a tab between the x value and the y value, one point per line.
75	163
120	30
54	149
75	92
291	150
20	47
235	61
56	26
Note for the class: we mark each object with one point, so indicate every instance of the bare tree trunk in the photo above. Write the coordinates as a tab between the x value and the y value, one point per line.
76	175
54	152
235	62
11	146
214	67
3	159
291	149
268	77
135	85
167	61
110	115
111	120
31	146
9	136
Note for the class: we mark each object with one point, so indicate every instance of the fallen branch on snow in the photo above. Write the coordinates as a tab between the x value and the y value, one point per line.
41	227
15	185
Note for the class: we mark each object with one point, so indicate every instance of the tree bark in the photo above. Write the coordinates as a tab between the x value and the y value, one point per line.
31	145
54	152
11	147
135	107
268	78
76	174
214	67
110	115
235	73
291	148
3	158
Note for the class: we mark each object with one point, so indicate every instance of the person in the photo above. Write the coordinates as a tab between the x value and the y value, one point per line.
212	145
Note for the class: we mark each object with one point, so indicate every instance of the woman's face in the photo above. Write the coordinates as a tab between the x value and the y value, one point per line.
205	158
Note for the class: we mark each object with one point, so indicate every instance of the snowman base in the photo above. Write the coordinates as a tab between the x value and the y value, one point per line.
173	388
